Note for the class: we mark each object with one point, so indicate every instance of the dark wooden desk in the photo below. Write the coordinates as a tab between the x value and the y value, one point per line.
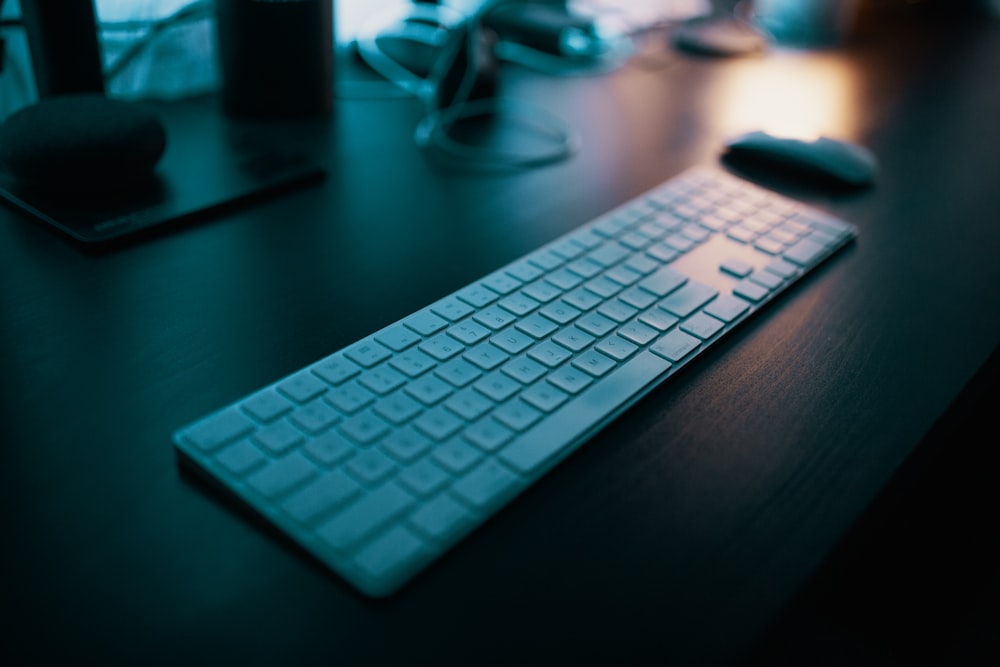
675	537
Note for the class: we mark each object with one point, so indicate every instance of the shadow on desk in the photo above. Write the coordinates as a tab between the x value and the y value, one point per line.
918	579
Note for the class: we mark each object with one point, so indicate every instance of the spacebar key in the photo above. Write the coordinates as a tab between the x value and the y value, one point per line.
592	408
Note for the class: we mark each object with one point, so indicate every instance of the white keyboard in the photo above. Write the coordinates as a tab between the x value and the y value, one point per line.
382	456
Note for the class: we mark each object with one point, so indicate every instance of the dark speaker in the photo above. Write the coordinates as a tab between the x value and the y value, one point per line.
276	56
84	143
65	48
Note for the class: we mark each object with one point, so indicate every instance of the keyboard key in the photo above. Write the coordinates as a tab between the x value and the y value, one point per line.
545	259
241	457
638	298
737	268
617	347
559	432
594	363
638	333
544	396
315	416
425	322
536	326
582	299
477	295
319	497
524	370
349	397
488	434
769	245
663	282
519	304
498	386
390	556
280	477
490	483
267	405
370	466
469	332
727	308
405	444
364	428
413	363
805	253
330	448
767	279
397	338
560	312
596	324
602	286
425	477
302	387
469	404
688	299
524	271
675	345
568	248
398	408
442	347
564	279
488	356
618	310
336	369
549	354
658	319
750	290
429	389
382	380
279	437
456	456
585	268
662	252
573	338
365	516
458	372
368	354
494	318
609	254
703	326
219	429
441	518
569	379
502	283
438	423
782	268
642	264
452	309
517	415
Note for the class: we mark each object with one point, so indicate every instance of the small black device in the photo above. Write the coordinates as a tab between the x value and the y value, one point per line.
65	48
823	160
276	57
207	163
81	143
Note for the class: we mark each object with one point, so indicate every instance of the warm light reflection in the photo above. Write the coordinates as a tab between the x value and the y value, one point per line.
787	95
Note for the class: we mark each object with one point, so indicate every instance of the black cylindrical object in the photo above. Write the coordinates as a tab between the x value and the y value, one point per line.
276	57
65	47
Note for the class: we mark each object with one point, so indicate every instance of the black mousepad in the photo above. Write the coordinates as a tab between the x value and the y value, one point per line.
210	162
